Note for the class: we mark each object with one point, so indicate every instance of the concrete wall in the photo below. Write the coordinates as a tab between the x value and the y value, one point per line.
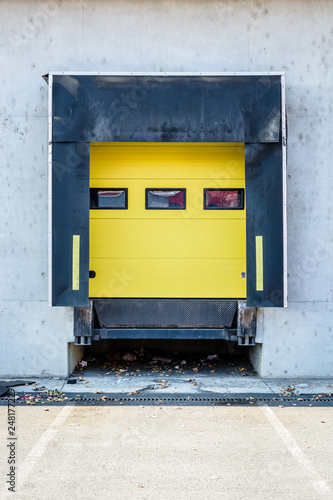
169	35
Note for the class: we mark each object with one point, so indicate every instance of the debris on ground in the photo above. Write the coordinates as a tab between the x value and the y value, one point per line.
163	359
211	357
290	390
83	363
42	397
129	357
113	356
163	384
140	352
128	362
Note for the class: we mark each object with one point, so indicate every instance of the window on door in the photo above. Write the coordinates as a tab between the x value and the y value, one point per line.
223	199
165	199
109	198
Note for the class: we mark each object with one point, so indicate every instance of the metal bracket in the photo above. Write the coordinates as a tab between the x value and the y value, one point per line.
83	325
246	324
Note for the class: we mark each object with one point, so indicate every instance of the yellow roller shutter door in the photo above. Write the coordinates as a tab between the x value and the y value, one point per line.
191	252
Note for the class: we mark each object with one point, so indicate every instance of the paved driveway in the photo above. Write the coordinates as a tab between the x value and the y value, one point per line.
169	452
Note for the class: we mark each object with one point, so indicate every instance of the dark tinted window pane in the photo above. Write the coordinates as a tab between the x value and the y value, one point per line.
165	198
108	198
224	198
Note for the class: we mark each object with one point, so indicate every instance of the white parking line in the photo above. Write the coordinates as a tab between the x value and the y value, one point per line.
25	469
315	479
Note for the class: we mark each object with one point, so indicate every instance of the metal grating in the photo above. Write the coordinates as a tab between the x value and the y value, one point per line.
165	313
87	399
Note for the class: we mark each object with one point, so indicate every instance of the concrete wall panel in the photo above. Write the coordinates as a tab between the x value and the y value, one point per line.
298	343
309	189
23	156
296	37
34	339
37	35
189	35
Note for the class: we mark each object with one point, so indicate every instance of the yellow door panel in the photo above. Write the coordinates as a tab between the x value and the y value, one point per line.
171	160
191	253
117	238
209	278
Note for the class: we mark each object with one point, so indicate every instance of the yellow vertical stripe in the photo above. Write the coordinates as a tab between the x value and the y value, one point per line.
259	264
76	262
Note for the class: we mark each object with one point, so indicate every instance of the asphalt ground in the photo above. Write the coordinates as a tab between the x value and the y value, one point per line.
202	429
165	452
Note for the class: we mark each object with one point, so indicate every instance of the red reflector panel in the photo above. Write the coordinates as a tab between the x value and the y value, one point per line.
165	199
215	199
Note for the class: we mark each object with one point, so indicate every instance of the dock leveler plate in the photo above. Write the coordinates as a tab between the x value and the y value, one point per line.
173	182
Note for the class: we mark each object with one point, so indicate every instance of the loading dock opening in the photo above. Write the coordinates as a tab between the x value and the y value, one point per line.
179	110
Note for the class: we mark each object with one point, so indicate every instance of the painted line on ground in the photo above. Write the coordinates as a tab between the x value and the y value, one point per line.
25	469
315	479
